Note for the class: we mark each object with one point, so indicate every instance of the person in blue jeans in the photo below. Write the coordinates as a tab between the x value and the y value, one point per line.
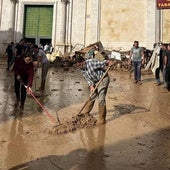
137	58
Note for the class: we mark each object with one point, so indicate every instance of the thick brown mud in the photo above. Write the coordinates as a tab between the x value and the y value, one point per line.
136	135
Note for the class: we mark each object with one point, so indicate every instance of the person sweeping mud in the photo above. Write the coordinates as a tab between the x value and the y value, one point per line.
23	75
43	60
93	70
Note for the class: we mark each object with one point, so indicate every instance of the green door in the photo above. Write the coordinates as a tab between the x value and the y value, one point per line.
38	22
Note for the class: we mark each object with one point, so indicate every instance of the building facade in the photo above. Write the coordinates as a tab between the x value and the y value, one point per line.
70	23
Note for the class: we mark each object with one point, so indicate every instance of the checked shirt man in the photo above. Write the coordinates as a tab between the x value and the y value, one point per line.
93	70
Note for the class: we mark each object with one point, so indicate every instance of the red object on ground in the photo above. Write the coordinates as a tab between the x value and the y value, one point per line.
45	110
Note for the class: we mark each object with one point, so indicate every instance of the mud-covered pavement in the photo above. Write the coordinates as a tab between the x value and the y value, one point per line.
136	135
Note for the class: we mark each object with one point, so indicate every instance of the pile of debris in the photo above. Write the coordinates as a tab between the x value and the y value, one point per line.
95	50
77	122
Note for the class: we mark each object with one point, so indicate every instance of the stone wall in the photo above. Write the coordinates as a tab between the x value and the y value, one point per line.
166	25
115	23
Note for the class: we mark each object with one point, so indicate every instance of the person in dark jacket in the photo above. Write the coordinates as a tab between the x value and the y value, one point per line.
10	55
23	75
167	67
160	68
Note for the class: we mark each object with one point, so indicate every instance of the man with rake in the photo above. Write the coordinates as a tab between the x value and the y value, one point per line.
93	71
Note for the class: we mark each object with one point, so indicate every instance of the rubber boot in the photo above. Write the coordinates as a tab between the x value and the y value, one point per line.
102	115
88	107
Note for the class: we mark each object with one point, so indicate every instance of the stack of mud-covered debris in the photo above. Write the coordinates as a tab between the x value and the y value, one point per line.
94	50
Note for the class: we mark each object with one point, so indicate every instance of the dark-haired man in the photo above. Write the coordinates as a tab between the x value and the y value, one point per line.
160	68
138	58
167	66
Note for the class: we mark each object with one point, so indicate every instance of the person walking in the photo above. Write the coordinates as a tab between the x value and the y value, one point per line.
93	70
166	62
23	75
43	61
10	55
138	60
160	68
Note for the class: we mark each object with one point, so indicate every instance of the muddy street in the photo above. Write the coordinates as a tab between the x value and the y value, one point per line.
135	137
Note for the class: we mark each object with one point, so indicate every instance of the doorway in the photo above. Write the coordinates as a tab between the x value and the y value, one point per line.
38	20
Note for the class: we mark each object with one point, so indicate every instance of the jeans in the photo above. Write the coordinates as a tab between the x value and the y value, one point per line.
164	79
101	91
137	70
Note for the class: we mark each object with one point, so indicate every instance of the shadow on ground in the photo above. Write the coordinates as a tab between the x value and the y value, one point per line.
149	151
123	109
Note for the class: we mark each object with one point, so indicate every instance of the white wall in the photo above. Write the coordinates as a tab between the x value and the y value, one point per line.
115	23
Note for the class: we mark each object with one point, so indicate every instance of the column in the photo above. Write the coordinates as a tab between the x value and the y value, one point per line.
61	25
95	20
1	5
12	19
152	24
158	25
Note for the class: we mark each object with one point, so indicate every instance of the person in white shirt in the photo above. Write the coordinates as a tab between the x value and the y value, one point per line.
43	60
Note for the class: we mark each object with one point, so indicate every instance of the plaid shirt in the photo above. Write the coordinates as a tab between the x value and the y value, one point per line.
93	70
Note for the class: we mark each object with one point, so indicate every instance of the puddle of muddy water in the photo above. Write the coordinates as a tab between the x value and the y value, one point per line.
127	141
